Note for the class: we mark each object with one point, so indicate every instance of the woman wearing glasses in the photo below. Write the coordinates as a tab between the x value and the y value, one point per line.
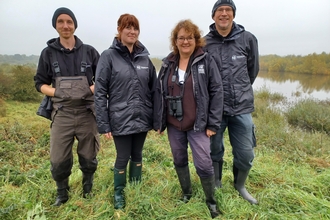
190	106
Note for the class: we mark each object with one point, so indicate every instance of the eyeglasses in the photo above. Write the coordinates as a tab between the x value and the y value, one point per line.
182	39
227	9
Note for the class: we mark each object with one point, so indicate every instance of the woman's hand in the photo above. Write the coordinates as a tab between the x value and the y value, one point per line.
108	135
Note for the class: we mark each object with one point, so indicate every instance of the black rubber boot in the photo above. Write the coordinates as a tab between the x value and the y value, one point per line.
184	179
119	186
240	177
217	166
209	188
135	171
87	183
62	192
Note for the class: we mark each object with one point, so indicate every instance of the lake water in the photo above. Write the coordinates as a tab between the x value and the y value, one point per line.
294	86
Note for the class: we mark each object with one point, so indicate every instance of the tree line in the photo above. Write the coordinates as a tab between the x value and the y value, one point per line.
19	59
310	64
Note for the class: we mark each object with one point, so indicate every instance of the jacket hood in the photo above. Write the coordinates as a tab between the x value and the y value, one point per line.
55	43
235	31
139	50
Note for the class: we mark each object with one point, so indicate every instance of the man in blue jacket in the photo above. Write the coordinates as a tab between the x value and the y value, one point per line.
236	53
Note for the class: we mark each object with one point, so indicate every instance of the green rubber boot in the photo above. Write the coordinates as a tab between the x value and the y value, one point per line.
135	171
119	185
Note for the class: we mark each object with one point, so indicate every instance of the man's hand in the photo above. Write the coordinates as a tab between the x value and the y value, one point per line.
47	90
92	88
210	133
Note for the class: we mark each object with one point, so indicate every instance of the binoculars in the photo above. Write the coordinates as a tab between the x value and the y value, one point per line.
175	106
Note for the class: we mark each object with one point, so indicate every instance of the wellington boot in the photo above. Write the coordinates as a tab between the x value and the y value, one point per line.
62	192
135	171
87	183
209	188
119	185
185	182
217	166
240	177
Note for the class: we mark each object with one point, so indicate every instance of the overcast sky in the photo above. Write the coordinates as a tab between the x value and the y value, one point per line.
282	27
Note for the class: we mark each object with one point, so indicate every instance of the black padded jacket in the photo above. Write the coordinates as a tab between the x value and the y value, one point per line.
207	88
124	90
237	57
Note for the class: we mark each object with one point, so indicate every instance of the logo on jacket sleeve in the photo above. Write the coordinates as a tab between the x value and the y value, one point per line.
201	69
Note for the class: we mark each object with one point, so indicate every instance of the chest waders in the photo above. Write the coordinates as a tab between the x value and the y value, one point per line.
72	91
72	116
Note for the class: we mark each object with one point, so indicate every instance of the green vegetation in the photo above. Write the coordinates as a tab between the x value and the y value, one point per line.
311	115
310	64
290	177
16	83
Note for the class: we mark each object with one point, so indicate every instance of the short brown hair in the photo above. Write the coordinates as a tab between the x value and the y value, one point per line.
189	27
126	20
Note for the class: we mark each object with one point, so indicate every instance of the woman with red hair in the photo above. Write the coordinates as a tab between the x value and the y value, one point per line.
124	96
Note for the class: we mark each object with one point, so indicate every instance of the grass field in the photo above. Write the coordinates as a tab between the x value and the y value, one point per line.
290	177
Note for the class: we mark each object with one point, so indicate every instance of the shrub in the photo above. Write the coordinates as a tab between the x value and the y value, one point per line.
310	114
6	82
23	87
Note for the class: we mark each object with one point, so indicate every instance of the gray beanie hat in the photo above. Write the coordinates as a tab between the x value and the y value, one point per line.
224	2
67	11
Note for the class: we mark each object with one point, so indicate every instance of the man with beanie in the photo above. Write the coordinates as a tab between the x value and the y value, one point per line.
65	72
236	53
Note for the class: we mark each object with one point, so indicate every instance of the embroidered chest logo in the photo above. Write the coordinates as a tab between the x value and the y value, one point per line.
234	57
201	69
141	67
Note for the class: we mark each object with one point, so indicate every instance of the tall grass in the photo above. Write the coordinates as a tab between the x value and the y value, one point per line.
310	114
290	177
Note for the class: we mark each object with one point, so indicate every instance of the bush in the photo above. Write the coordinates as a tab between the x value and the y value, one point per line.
310	114
18	84
23	88
6	82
